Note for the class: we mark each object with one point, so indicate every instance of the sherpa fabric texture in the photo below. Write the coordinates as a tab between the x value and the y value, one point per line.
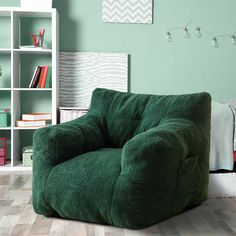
131	161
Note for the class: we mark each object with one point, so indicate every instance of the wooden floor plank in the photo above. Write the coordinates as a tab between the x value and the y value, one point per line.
214	217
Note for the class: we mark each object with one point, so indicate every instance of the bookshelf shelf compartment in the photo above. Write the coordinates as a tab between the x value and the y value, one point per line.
5	63
32	23
27	102
23	138
25	65
5	39
18	65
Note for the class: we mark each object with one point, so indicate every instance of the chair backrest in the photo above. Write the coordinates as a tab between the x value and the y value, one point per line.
124	115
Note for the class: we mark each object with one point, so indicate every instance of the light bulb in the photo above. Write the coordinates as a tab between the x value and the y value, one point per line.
233	39
198	32
186	33
215	43
168	37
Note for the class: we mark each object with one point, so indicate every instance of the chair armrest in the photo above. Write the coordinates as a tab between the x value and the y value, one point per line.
157	152
56	144
163	171
62	142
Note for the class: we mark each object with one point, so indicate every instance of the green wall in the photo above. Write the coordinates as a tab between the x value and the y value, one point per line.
156	66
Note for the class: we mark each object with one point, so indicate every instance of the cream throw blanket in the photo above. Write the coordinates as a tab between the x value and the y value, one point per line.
222	136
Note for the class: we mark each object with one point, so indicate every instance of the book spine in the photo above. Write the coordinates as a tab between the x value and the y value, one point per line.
48	79
45	74
32	80
22	123
41	77
36	117
36	78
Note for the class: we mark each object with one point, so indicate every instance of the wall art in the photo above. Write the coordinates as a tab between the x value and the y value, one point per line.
127	11
81	73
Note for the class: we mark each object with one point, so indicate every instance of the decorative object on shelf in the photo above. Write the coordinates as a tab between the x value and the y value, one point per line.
3	151
4	117
0	71
129	11
198	33
38	39
71	113
81	73
27	156
34	4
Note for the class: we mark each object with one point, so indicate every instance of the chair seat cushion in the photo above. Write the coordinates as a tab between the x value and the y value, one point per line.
82	188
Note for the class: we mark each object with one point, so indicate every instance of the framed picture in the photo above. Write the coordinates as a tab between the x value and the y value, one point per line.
127	11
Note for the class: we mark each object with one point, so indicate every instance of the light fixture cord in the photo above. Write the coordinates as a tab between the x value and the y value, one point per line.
192	22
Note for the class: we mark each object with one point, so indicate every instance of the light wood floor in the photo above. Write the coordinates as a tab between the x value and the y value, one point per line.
214	217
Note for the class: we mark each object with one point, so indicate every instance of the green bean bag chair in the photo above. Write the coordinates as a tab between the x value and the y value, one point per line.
133	160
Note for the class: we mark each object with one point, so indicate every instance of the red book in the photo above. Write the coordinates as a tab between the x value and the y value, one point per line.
41	77
45	74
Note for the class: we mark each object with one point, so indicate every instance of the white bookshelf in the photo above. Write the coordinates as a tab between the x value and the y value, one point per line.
20	96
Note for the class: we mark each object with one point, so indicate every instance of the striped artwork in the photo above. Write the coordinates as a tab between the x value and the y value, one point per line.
81	73
127	11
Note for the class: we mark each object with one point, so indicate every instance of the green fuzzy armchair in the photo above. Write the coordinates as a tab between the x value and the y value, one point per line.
131	161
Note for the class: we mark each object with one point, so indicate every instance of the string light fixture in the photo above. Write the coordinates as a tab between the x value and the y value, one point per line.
198	33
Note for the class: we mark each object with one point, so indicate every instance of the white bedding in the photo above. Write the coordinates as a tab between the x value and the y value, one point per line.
222	136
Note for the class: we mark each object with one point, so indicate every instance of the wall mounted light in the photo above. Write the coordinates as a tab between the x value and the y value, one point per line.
233	40
215	43
168	36
186	33
199	32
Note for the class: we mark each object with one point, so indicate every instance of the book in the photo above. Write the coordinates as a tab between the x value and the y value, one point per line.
37	116
41	77
45	74
49	78
30	123
31	82
36	77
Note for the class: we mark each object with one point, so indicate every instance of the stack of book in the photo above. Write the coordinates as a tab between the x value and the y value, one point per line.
34	120
41	77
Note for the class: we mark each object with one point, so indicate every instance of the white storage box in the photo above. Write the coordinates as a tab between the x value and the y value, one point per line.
71	113
27	153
